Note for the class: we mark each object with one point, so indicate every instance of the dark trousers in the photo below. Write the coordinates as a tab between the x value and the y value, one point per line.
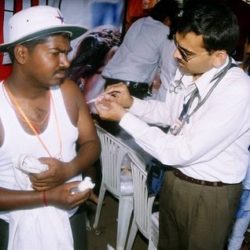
78	225
4	234
195	217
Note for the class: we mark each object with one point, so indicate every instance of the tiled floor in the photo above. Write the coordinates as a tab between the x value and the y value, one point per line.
107	227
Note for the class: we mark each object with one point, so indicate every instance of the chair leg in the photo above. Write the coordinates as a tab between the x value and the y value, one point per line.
99	206
124	216
132	234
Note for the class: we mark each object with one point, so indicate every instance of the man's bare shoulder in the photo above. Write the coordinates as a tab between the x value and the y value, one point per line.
73	99
69	87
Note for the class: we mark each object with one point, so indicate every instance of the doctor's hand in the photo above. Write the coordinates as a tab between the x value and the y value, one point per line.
109	110
119	93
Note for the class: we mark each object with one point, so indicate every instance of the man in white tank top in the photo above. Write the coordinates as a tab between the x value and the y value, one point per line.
43	120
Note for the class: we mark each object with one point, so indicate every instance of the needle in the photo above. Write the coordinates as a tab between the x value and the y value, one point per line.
94	99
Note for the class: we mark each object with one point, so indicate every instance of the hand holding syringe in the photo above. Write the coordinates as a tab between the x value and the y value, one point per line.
114	102
114	94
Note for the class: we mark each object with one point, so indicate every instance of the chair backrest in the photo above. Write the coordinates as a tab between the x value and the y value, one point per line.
113	153
143	203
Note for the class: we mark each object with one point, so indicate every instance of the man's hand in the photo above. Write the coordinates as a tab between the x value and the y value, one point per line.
63	197
112	103
54	176
109	110
119	93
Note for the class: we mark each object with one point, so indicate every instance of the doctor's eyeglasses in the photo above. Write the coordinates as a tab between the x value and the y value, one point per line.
186	54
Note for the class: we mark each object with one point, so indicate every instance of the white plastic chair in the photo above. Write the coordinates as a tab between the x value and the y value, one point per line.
113	154
144	220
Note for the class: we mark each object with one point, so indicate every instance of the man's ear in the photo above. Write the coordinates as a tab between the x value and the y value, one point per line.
219	58
21	53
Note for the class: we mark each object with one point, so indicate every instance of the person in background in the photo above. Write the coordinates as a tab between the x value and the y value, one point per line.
134	11
93	51
165	74
242	221
207	113
139	57
106	12
246	57
242	217
241	9
43	118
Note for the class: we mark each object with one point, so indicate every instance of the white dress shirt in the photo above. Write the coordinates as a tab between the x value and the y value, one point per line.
213	146
139	56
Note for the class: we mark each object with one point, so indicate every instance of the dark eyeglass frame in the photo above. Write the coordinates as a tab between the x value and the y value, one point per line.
186	54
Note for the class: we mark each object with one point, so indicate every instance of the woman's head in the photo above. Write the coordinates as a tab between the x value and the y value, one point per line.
92	51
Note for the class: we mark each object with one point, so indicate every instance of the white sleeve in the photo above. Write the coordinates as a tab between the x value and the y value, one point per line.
221	121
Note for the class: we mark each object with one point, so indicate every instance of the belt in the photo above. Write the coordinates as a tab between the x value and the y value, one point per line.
110	81
138	89
184	177
136	85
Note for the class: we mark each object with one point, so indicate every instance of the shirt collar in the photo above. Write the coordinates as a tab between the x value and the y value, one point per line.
203	83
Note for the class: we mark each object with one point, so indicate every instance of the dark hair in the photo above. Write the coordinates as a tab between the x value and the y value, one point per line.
164	9
248	36
91	52
214	21
246	59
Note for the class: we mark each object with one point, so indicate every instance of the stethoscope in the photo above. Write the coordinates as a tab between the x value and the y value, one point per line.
184	116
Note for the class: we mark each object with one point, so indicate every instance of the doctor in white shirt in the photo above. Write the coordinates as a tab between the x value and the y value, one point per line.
207	110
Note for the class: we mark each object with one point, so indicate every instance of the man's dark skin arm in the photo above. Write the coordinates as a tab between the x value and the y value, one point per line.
88	142
58	193
59	197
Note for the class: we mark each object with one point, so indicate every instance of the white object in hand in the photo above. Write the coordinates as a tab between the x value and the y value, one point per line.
86	184
30	165
83	185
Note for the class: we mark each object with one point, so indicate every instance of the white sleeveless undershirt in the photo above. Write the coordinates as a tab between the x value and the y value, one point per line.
17	141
